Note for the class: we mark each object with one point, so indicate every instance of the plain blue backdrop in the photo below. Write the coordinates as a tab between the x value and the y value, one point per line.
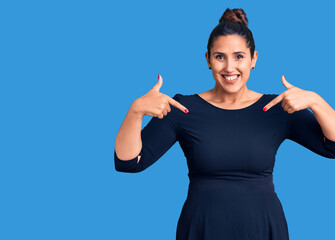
69	73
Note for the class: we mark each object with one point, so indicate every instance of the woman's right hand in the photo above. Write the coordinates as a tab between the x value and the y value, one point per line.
156	104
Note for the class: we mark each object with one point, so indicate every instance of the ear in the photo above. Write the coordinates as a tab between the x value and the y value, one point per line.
208	62
254	59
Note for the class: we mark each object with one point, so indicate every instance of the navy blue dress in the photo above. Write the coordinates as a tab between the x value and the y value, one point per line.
230	155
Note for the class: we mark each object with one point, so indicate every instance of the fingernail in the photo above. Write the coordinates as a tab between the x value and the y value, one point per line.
158	76
186	110
264	109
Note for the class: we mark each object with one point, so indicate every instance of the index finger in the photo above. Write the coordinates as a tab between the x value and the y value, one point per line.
274	101
177	105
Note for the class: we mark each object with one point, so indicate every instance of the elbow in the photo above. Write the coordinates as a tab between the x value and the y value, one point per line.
330	146
127	166
327	153
128	170
330	154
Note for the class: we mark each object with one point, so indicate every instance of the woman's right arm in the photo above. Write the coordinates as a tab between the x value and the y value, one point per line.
136	149
128	142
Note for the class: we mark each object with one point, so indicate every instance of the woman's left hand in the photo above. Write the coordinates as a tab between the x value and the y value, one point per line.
293	99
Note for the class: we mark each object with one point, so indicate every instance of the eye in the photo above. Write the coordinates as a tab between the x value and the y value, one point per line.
241	56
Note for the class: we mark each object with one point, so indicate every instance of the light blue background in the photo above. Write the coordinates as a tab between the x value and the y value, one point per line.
69	73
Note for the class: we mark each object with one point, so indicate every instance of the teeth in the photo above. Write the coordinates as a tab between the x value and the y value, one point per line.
230	77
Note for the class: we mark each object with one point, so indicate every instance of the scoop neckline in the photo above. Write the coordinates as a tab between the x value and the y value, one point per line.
224	109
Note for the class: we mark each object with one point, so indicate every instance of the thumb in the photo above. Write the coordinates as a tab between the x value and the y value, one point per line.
159	84
286	83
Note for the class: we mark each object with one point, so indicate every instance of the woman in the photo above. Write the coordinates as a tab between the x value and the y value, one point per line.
230	136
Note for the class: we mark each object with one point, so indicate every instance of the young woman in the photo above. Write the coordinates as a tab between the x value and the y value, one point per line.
230	136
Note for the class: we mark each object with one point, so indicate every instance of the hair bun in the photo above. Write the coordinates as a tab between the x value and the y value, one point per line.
235	15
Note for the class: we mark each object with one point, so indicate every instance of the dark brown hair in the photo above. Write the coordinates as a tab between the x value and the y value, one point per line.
232	22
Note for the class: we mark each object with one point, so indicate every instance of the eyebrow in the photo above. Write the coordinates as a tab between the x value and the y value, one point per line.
225	54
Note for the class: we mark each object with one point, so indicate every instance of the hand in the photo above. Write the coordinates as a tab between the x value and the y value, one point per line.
156	104
293	99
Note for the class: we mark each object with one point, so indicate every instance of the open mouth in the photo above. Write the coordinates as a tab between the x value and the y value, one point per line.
231	79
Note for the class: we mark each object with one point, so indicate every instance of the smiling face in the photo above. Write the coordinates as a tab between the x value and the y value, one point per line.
230	56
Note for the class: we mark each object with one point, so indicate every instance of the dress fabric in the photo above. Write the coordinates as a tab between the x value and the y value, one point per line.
230	156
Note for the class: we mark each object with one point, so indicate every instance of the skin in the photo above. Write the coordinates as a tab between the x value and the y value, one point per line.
296	99
128	142
229	96
237	95
225	95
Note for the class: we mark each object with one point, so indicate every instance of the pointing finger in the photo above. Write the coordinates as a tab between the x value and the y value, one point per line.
276	100
177	105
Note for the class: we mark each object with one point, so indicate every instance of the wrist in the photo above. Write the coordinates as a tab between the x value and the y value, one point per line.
316	98
134	109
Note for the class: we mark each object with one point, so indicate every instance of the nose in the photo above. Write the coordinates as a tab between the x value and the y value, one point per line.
229	66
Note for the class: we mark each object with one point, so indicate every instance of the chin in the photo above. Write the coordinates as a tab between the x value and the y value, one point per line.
233	88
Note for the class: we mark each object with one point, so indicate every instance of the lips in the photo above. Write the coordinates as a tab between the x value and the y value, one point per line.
231	81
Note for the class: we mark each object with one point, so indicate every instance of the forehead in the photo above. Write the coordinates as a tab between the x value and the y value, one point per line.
229	44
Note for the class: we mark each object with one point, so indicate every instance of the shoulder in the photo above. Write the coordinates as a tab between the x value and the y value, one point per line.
304	113
186	101
277	110
180	95
271	95
182	98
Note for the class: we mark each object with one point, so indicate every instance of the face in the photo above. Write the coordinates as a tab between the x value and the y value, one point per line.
231	56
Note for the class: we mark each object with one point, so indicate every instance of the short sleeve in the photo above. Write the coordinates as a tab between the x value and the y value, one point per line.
304	129
158	136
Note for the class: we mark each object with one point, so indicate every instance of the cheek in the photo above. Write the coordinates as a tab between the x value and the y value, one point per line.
245	66
245	75
245	69
217	67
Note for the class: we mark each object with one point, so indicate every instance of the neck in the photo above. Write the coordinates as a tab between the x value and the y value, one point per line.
219	95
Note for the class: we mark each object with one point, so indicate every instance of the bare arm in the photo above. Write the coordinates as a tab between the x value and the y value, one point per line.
325	115
128	142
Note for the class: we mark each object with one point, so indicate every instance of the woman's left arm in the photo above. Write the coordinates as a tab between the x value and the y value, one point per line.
325	115
296	99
